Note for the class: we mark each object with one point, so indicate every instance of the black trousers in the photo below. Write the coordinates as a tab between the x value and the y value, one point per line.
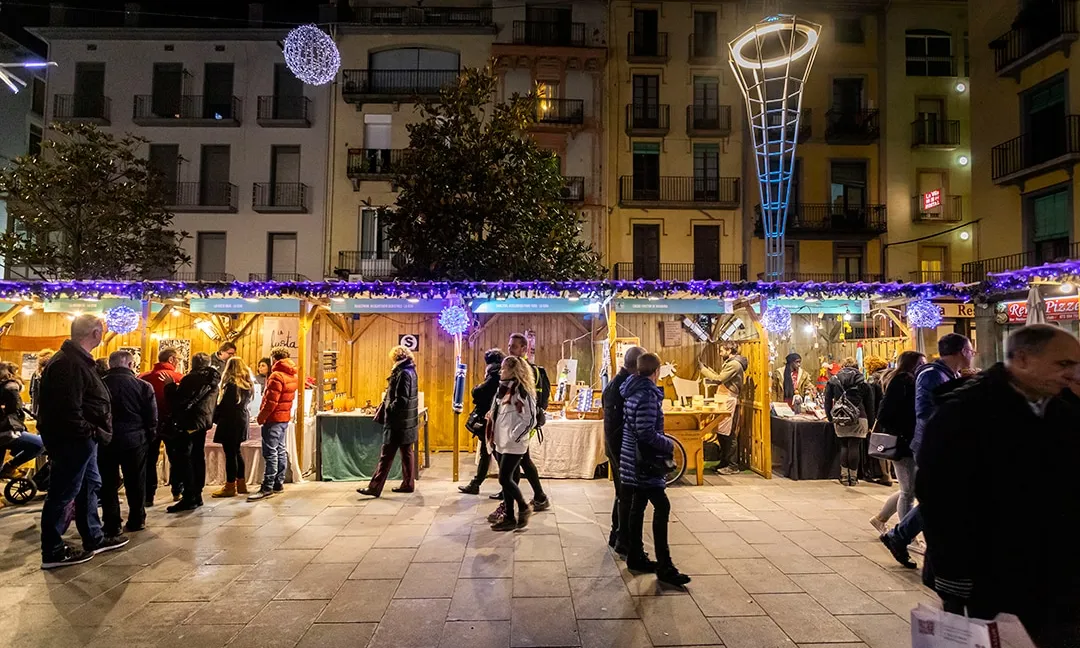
850	453
729	450
531	474
234	462
187	452
132	463
508	468
153	453
620	508
484	466
661	512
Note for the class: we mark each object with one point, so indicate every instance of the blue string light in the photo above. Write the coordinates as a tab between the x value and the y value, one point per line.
121	320
454	319
312	55
922	313
777	320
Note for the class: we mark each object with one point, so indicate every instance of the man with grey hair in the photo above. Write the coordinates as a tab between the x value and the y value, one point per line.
73	419
134	421
997	540
613	432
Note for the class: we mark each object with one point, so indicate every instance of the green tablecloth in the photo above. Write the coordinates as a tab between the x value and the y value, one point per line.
349	447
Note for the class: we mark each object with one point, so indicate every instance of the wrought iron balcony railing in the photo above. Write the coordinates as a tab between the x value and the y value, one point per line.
676	191
371	264
646	48
82	108
367	85
434	17
822	220
648	120
976	271
1056	144
573	189
943	134
280	197
212	197
186	110
852	126
560	112
708	120
703	51
679	271
283	111
548	33
372	163
949	211
1040	29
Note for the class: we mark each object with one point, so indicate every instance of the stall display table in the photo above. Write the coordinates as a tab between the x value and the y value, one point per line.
251	449
804	448
690	427
349	443
572	449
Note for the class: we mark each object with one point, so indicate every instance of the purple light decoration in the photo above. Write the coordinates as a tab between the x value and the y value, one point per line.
454	319
777	320
922	313
997	282
121	320
312	55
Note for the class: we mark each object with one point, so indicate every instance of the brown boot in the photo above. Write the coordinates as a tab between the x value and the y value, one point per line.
241	487
228	490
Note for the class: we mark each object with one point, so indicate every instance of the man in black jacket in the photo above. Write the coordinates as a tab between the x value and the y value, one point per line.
134	420
995	541
72	420
613	432
193	414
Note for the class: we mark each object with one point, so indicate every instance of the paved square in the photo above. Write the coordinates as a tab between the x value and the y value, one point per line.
775	563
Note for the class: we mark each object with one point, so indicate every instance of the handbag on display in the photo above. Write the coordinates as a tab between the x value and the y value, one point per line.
883	445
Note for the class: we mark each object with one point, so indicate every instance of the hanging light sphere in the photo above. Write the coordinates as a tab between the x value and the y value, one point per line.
312	55
922	313
454	320
777	320
121	320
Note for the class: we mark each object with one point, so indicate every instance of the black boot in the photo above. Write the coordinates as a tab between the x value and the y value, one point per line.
666	573
472	488
641	563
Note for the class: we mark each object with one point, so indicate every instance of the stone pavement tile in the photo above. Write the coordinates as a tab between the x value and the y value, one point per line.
542	524
414	623
837	595
696	560
538	547
203	584
755	502
803	619
428	581
358	601
703	522
481	599
483	537
114	605
751	632
451	525
282	525
835	645
316	581
566	513
730	512
582	562
144	554
475	634
722	596
345	549
807	509
819	543
237	556
602	598
869	577
582	535
758	532
494	562
641	584
414	515
398	536
104	578
544	622
280	564
128	636
759	576
366	525
381	506
880	630
784	520
383	564
845	531
540	579
310	537
337	635
792	559
613	634
727	545
902	603
678	534
203	636
239	602
675	621
337	516
166	614
288	615
255	516
449	548
874	551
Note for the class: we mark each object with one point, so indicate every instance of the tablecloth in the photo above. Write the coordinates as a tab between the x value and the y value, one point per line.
349	446
252	453
804	449
571	449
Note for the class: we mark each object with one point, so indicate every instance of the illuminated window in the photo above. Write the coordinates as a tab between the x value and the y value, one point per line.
547	92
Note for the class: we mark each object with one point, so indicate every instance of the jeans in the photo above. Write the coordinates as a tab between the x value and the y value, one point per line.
74	478
275	455
661	511
386	460
23	448
188	454
909	528
132	461
902	500
234	462
531	474
511	492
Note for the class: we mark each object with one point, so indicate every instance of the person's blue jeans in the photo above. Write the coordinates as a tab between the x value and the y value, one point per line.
909	528
275	455
23	448
75	478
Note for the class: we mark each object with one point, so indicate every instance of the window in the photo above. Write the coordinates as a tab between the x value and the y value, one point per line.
372	236
419	69
165	162
89	99
33	145
791	259
38	96
217	91
929	53
646	101
546	91
288	94
281	255
646	171
849	262
209	256
214	187
167	88
931	181
707	252
847	188
704	34
933	262
706	172
1044	120
849	30
1051	225
646	251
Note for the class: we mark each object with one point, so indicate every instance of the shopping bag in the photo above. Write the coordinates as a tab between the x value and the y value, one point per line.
935	628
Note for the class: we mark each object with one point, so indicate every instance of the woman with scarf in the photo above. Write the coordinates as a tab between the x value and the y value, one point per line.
400	418
513	416
482	396
231	417
792	380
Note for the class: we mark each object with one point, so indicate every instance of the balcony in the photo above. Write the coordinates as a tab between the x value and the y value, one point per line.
977	271
950	210
708	121
372	164
648	120
936	276
823	221
573	189
548	33
186	110
202	276
679	271
279	198
466	19
368	264
703	51
833	277
394	86
283	112
560	112
1038	31
1055	145
276	276
852	126
647	48
82	109
679	191
937	134
203	197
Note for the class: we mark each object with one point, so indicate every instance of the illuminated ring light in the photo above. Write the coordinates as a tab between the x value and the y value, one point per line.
312	55
737	47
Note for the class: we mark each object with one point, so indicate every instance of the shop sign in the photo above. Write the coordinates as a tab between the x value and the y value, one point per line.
387	305
825	306
539	305
100	306
931	199
957	311
410	341
675	306
264	305
1057	309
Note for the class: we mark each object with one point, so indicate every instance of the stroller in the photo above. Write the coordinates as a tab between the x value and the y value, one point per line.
20	490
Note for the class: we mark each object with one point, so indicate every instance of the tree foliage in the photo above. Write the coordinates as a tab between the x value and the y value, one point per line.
477	199
88	207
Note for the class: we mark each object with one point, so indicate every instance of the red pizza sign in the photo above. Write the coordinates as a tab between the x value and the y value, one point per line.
1057	309
931	199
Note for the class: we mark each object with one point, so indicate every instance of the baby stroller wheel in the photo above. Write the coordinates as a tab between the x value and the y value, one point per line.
20	490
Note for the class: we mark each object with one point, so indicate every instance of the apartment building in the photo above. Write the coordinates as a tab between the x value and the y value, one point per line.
240	143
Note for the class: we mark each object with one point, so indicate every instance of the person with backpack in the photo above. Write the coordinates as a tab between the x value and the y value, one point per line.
613	433
483	395
163	378
193	415
850	407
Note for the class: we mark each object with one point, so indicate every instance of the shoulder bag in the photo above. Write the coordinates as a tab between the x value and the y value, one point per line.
883	445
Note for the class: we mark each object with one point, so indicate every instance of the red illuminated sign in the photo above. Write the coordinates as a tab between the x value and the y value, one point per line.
1057	309
931	199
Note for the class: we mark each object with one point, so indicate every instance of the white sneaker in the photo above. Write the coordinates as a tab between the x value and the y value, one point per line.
882	526
917	547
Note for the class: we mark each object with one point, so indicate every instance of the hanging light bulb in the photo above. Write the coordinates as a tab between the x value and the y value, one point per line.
1067	287
847	316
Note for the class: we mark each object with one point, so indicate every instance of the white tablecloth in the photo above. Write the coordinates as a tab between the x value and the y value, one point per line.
571	449
252	453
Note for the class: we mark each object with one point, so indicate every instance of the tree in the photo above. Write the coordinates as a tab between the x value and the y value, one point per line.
477	199
88	207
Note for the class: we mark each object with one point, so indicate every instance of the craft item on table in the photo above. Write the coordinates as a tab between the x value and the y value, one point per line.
782	409
560	392
584	400
697	401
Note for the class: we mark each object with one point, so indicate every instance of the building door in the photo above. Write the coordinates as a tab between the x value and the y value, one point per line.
214	187
706	172
646	171
848	194
89	99
849	262
706	102
1044	119
646	251
210	256
707	252
645	35
285	175
377	130
704	34
218	91
930	116
933	262
646	107
288	94
165	161
548	25
167	88
281	256
847	95
1051	217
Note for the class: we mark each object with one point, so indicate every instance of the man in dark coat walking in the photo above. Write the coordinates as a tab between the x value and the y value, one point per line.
134	421
193	414
73	420
401	418
613	433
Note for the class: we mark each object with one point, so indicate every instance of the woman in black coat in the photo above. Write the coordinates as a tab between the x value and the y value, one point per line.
897	417
231	417
400	414
482	396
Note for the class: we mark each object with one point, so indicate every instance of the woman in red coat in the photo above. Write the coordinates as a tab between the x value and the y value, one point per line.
274	417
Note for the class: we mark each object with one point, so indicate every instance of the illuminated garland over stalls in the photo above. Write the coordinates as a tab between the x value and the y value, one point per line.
999	282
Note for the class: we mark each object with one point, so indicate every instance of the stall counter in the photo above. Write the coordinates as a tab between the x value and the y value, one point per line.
349	443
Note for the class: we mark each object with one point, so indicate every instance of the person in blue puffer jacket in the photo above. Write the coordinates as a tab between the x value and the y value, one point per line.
644	448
